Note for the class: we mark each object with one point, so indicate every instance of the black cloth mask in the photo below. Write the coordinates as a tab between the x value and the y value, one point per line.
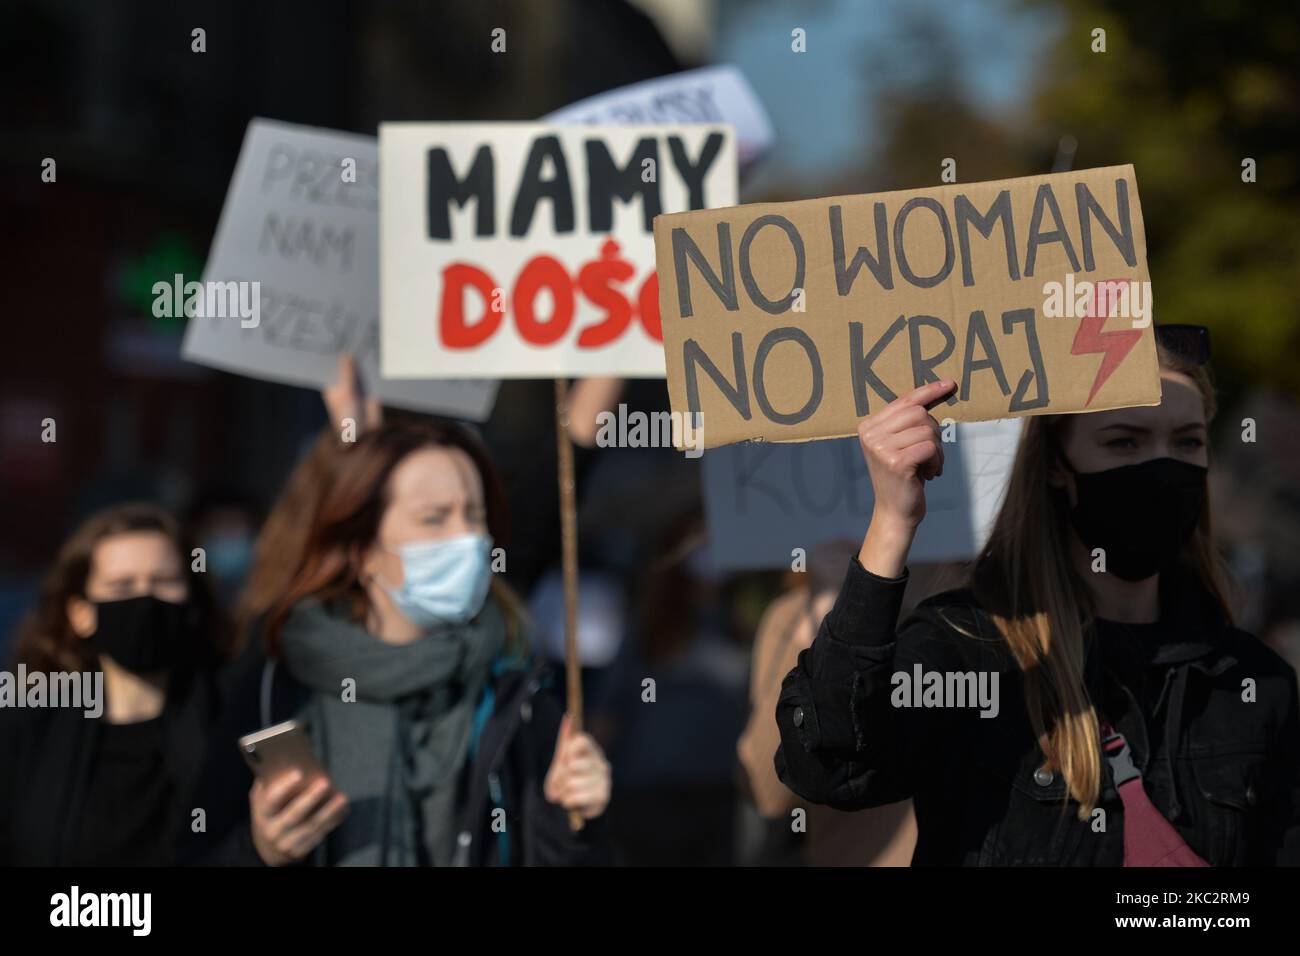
144	634
1140	515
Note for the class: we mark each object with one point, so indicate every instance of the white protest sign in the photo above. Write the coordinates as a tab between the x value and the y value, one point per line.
765	499
301	219
712	94
526	250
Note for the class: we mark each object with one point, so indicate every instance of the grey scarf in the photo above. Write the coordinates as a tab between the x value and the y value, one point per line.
397	743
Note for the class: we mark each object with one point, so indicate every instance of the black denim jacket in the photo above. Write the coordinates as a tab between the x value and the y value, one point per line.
1222	767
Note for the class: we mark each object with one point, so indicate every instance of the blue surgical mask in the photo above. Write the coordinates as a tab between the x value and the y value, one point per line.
445	581
229	556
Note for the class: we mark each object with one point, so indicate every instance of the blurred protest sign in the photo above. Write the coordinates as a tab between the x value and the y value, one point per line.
712	94
301	220
792	321
522	250
600	627
763	500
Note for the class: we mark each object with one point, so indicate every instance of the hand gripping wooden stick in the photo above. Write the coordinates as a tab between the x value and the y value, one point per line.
569	563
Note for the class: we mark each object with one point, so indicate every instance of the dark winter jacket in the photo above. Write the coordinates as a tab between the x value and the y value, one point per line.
1210	713
513	750
48	758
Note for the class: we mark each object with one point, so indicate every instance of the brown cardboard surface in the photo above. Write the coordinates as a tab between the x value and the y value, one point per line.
792	321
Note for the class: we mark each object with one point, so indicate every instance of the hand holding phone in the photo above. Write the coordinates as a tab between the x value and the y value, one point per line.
272	751
293	804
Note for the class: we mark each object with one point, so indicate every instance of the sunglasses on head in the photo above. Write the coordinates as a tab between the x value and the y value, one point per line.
1189	342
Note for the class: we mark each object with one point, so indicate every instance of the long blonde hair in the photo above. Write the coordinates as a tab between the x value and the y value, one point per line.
1042	607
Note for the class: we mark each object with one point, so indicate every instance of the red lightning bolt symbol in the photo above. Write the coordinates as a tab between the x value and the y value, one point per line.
1090	338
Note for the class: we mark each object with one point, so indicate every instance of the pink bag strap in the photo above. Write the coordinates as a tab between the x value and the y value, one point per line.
1149	839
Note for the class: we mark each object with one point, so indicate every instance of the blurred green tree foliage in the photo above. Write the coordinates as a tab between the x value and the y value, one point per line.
1187	92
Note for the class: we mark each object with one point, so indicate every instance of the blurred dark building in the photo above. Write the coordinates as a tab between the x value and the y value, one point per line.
144	133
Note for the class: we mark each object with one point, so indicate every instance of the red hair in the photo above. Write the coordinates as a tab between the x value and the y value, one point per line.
346	520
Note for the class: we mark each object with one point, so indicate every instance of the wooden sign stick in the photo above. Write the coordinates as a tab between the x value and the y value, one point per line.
569	562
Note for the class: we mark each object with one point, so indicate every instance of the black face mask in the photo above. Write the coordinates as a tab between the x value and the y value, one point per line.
144	634
1140	515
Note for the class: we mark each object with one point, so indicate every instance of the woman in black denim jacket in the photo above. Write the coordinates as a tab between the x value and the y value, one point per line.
1093	645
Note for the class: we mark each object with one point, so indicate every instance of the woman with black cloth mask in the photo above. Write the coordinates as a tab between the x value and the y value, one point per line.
451	731
1126	697
109	782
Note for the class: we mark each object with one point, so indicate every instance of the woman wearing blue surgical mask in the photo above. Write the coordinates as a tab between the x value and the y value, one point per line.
1087	699
406	661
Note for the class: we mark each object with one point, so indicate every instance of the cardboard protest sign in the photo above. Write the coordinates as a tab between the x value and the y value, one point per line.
763	500
301	221
711	94
792	321
524	250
